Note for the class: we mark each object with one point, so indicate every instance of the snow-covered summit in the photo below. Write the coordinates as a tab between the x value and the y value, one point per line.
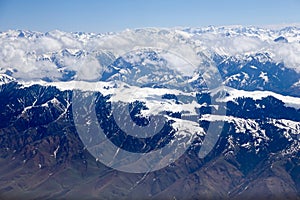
5	79
63	56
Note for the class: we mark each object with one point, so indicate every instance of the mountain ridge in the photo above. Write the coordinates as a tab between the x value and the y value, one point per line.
54	91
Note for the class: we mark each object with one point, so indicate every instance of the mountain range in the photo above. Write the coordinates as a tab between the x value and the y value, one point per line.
48	149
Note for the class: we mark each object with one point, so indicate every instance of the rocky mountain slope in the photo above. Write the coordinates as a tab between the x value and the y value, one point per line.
47	143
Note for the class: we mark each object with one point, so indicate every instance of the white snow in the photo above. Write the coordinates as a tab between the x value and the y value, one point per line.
290	127
264	76
5	79
187	128
234	94
297	84
55	151
242	126
291	131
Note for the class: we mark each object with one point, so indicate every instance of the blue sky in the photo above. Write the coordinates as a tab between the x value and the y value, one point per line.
117	15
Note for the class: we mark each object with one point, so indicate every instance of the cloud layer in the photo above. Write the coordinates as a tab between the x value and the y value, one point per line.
33	55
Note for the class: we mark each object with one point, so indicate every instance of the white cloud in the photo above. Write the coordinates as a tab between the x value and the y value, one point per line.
289	53
88	68
22	53
179	64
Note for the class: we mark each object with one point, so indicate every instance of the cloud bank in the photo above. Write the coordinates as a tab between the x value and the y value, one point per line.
33	55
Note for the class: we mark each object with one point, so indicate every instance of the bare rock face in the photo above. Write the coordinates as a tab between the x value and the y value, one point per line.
42	155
